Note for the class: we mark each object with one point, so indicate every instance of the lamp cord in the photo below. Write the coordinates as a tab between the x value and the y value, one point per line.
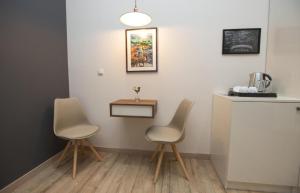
135	6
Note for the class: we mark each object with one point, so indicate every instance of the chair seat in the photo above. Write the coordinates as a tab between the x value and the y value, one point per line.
163	134
78	131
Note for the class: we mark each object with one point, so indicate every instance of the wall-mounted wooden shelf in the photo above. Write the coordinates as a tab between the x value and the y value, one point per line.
144	108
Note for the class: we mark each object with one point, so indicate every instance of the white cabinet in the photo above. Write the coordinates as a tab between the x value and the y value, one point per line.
256	142
144	108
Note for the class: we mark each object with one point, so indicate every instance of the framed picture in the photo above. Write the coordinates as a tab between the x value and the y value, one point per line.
141	50
241	41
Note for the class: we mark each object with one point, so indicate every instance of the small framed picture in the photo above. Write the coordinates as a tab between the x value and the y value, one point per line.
141	50
241	41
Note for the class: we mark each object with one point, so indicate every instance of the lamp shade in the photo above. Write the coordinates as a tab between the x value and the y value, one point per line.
135	19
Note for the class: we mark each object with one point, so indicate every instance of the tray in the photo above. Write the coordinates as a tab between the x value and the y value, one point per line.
259	94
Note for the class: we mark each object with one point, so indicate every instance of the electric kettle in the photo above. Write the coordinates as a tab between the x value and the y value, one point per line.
261	81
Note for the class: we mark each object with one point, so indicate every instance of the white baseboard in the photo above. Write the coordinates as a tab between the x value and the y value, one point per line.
149	152
259	187
21	180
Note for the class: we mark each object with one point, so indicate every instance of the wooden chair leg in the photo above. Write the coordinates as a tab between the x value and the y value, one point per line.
161	155
158	148
75	158
63	153
99	158
81	148
178	157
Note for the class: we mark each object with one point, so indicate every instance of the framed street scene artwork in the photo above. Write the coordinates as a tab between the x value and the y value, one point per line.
141	50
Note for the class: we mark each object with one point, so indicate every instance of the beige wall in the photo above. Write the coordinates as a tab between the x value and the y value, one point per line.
283	57
190	62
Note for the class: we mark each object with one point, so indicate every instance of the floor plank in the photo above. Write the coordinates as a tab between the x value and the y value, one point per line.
112	181
45	178
144	180
126	173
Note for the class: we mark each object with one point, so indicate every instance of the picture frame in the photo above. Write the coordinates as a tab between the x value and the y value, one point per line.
241	41
141	50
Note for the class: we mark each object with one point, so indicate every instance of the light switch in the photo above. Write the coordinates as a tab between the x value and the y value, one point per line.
100	72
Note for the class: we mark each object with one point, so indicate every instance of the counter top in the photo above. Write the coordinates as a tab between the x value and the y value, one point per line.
279	99
142	102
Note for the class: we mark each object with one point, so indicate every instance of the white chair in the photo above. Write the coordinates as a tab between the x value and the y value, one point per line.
71	123
170	135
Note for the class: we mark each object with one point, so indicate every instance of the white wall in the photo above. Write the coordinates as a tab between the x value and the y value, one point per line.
284	46
190	62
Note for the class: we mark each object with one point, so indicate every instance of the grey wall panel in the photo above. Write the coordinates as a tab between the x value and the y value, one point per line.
33	71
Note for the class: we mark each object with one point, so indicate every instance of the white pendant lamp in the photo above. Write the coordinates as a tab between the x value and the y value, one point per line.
135	18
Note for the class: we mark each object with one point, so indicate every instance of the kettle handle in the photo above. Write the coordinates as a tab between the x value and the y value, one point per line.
269	79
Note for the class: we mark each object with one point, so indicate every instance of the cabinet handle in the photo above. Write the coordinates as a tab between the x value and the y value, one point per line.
297	108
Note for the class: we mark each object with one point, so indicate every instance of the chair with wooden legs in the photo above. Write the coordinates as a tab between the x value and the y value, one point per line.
170	135
71	123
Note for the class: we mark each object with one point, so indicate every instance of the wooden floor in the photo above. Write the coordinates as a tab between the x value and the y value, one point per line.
125	173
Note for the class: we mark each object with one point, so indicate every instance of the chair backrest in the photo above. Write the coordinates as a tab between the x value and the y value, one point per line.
68	112
181	114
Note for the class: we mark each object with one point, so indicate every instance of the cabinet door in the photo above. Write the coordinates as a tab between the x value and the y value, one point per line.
265	143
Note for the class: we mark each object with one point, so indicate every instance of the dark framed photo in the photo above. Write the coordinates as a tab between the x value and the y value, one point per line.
141	50
241	41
